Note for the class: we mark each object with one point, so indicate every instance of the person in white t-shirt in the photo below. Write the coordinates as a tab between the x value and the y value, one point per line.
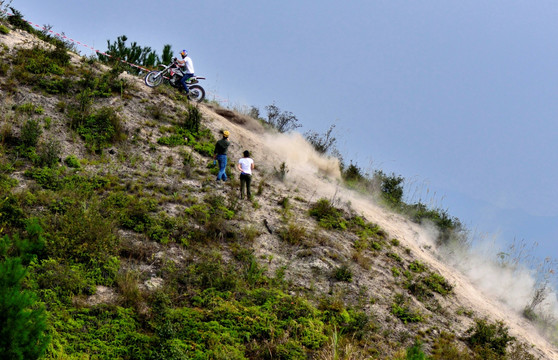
245	166
187	67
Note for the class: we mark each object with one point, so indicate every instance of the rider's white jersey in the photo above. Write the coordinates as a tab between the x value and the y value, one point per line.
187	65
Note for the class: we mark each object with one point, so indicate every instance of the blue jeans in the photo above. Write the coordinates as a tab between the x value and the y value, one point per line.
222	159
183	81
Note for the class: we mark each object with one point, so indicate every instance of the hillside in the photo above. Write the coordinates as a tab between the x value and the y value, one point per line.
136	252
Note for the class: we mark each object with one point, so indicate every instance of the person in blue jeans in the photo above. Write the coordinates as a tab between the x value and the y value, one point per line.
220	155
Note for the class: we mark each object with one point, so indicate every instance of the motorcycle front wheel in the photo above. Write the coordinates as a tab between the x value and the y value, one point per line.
196	93
153	78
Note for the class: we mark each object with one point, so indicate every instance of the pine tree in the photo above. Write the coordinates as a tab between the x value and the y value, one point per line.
22	321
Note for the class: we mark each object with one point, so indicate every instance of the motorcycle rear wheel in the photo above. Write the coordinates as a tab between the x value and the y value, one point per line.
153	78
196	93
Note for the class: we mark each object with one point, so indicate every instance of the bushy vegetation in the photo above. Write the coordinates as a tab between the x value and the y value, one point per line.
401	308
190	132
327	215
4	30
489	339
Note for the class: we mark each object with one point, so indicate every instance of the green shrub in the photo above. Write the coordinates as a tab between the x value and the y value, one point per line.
99	332
30	133
4	30
55	85
49	153
211	273
450	228
193	119
251	271
6	182
27	249
173	140
290	350
415	352
284	203
394	256
4	68
46	177
127	284
327	215
423	285
437	283
39	61
11	212
54	179
417	266
343	273
136	215
376	245
72	161
201	141
17	21
64	279
82	234
402	310
487	339
101	129
352	173
519	351
445	348
80	110
103	85
160	232
391	187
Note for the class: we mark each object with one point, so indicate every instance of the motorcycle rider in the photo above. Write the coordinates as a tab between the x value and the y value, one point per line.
187	68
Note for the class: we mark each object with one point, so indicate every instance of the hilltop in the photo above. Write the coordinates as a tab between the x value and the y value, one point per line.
135	252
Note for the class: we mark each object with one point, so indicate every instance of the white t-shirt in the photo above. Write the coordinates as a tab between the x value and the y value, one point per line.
246	165
187	65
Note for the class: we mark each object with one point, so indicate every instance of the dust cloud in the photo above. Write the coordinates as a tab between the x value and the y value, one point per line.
511	282
484	283
301	157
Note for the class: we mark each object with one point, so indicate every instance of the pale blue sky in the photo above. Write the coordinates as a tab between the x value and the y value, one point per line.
458	97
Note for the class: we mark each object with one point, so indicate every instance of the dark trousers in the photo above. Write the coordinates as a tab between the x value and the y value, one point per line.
245	180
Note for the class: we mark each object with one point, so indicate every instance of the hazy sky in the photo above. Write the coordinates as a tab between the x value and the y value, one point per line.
458	97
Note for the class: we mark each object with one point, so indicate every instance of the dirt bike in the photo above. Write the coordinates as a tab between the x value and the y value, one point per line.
172	74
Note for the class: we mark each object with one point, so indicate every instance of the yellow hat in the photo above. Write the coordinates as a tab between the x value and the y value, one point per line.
226	133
